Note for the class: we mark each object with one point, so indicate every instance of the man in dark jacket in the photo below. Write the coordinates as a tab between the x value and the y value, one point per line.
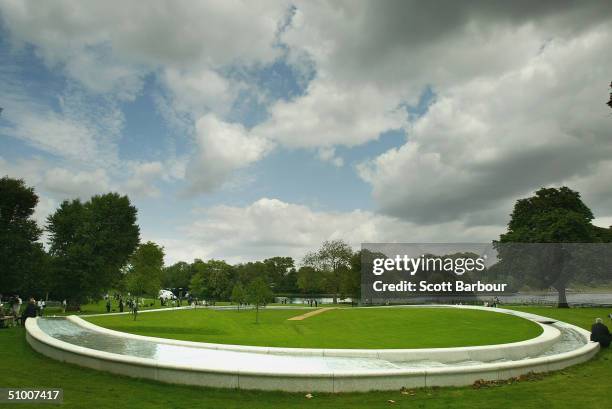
31	310
600	333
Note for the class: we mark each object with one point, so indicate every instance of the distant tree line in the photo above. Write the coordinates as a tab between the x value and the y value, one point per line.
94	247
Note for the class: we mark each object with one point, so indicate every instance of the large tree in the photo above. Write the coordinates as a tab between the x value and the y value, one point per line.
22	259
333	259
310	280
177	275
144	275
553	216
212	280
90	243
277	268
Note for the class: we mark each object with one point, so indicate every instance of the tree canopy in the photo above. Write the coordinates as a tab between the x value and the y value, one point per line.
553	216
90	243
22	259
144	275
333	259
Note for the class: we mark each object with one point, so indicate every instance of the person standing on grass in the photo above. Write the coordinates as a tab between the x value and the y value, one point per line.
600	333
30	311
135	308
120	304
108	305
16	305
64	305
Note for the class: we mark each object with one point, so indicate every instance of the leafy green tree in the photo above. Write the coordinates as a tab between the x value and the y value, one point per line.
198	286
90	243
333	259
554	216
351	279
239	295
289	282
258	294
247	272
144	275
177	275
212	280
277	268
310	280
22	258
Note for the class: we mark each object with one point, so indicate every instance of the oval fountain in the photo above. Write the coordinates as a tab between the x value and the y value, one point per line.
74	340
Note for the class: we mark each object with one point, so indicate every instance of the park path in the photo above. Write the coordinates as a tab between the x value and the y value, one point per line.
310	314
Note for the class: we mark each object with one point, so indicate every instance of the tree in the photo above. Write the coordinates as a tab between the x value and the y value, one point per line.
22	258
239	295
277	268
90	243
144	275
554	216
177	275
310	280
212	280
351	279
333	259
258	293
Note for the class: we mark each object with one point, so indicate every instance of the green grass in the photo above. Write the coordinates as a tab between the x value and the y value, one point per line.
99	307
339	328
582	386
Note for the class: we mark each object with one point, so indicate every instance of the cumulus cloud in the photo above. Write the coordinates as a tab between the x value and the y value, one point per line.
487	141
328	115
132	38
328	154
519	90
222	147
271	227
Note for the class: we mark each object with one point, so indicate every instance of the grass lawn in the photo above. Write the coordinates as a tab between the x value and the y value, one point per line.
582	386
99	307
339	328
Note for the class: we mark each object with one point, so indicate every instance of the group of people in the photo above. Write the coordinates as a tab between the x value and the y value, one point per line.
493	303
131	304
14	304
313	302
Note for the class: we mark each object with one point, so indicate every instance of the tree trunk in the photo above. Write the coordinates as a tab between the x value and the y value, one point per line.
562	298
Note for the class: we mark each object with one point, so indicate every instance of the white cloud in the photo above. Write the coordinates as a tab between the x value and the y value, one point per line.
328	154
83	184
490	140
222	148
111	45
271	227
199	92
329	115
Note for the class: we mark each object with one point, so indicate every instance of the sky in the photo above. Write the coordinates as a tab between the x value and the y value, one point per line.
243	130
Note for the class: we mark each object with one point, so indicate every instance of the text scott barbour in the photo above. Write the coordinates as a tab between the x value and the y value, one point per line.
412	265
